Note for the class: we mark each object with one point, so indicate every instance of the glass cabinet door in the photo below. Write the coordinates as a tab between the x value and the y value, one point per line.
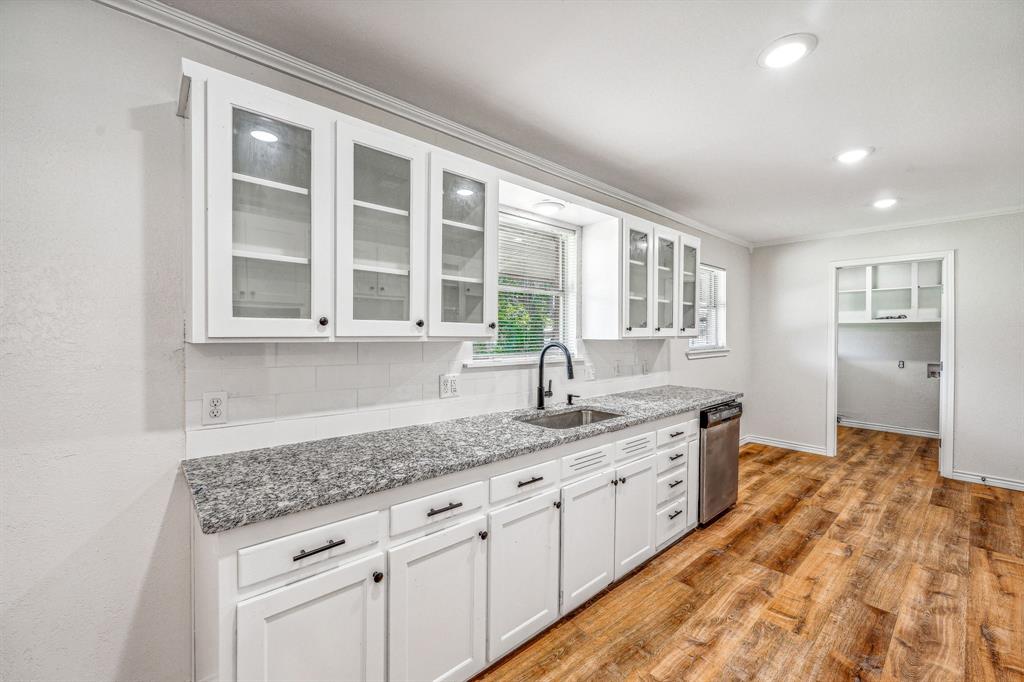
268	210
688	294
639	252
666	280
463	248
381	215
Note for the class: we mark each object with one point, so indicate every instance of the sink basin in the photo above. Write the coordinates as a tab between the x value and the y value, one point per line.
570	420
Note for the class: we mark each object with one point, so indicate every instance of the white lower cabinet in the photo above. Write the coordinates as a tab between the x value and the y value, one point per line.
588	538
328	627
634	514
438	604
523	585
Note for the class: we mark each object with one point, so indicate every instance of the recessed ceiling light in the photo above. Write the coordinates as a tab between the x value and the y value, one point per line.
787	50
852	156
464	192
548	206
884	203
263	135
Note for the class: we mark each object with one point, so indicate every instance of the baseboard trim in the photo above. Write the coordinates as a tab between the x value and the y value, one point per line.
787	444
994	481
871	426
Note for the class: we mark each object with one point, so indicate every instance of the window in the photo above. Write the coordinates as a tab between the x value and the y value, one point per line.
710	311
536	289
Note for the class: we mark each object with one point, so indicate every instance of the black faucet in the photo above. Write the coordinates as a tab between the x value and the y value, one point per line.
568	371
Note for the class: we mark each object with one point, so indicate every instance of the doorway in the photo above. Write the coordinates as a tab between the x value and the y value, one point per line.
890	346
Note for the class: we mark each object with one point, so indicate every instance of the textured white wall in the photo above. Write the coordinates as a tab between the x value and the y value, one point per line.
94	583
789	299
871	386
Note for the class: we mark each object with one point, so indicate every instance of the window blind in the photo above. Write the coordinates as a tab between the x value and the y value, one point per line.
536	288
710	308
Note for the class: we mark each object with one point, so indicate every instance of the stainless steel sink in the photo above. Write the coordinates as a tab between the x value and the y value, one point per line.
570	420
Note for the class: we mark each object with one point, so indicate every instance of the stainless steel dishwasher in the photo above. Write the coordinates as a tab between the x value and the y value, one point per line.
719	459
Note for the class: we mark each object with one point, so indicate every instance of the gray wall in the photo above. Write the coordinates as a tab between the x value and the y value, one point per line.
871	386
95	577
790	315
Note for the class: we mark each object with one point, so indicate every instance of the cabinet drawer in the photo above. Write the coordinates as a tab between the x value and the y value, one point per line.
672	457
317	545
672	485
525	480
587	461
635	446
678	432
437	507
671	520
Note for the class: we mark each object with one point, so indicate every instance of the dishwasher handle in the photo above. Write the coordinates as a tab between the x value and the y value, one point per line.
720	414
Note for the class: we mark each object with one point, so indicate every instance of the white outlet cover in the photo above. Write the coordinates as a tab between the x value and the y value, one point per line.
215	408
449	385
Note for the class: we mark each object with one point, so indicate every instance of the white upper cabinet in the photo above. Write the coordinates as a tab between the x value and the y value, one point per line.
638	277
689	295
269	213
463	285
382	233
666	281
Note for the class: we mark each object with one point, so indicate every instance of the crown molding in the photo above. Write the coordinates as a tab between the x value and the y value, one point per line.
1010	210
209	33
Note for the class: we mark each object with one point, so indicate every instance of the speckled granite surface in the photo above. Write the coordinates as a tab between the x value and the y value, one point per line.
245	487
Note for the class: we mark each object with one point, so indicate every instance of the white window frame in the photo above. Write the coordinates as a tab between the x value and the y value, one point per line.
697	349
571	291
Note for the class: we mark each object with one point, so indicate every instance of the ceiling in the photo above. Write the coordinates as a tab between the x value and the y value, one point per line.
666	100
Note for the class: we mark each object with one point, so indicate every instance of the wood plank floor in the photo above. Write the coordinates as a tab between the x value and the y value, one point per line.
860	567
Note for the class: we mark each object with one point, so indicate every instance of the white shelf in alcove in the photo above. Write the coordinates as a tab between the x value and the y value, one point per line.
907	321
462	226
379	207
276	258
380	269
252	180
456	278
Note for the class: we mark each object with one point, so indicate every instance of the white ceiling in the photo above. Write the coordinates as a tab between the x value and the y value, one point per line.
666	100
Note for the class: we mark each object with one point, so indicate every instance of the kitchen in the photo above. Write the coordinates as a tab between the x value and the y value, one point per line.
351	389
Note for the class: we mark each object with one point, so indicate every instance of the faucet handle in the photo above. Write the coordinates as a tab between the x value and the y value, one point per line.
571	396
548	393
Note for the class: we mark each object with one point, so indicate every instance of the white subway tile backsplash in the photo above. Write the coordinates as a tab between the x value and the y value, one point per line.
416	373
355	422
390	395
217	356
388	352
351	376
268	380
291	405
316	354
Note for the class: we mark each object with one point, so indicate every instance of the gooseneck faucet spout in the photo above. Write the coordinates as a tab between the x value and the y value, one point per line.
541	392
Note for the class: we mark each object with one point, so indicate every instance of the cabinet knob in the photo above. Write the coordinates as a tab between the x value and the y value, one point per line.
483	535
493	325
419	323
615	481
629	329
622	481
377	576
558	505
657	329
323	321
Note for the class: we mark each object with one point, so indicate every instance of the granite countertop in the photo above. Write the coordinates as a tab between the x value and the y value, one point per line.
240	488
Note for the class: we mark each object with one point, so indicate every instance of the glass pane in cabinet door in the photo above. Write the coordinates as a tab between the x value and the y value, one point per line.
689	288
666	272
378	296
462	249
271	217
638	261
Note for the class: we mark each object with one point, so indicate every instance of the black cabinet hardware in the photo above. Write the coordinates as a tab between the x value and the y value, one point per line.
657	329
419	323
492	325
674	514
673	458
677	433
377	576
331	544
482	534
615	481
532	480
323	321
629	329
622	480
674	484
442	510
558	505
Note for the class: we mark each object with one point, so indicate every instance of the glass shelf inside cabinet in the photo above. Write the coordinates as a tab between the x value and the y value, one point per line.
638	259
463	210
271	217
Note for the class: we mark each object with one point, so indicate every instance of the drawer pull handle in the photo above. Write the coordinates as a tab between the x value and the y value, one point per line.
331	544
677	433
532	480
673	485
442	510
674	514
675	457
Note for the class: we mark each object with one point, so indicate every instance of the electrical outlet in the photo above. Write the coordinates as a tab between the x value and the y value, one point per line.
449	385
215	408
588	372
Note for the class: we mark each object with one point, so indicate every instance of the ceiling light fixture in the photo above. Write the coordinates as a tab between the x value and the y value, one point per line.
787	50
263	135
464	192
549	206
852	156
884	203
